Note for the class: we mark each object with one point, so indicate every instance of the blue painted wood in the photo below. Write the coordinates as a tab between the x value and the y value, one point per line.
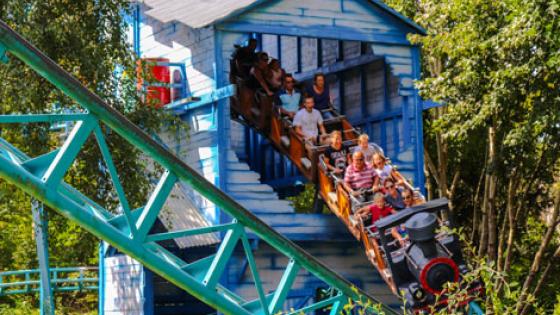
182	106
318	32
359	19
363	92
395	51
319	52
279	49
396	138
406	130
340	66
384	135
285	181
429	104
148	290
419	180
223	119
342	93
340	51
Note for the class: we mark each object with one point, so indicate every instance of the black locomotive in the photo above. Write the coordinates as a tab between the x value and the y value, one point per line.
429	260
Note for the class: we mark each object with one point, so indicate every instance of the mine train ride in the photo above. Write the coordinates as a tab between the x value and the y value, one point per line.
417	270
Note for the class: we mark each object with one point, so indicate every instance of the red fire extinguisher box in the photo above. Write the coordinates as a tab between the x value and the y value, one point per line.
154	79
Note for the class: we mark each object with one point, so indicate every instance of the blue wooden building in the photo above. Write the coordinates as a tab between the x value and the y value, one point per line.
362	47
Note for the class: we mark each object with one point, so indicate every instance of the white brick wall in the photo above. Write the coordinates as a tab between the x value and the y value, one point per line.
123	286
180	43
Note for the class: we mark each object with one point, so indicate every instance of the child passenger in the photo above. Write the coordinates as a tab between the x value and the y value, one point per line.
368	149
377	210
384	170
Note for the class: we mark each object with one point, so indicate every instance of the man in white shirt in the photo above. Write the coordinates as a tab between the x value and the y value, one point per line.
308	121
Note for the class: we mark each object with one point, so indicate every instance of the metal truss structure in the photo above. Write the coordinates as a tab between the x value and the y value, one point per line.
42	177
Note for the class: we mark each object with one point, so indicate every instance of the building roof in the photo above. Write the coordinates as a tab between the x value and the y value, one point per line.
197	13
179	213
201	13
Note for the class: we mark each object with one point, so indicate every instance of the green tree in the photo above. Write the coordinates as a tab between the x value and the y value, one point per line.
89	40
493	147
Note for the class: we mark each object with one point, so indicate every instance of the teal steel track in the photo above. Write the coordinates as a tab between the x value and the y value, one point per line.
129	231
62	280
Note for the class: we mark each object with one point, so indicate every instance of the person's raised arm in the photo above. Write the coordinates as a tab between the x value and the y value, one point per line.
376	182
399	179
397	236
328	163
260	78
362	212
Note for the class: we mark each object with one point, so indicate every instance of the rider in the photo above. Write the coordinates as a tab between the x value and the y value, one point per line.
336	155
360	176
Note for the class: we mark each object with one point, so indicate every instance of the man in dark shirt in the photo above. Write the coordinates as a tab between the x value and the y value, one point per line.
336	155
245	57
321	95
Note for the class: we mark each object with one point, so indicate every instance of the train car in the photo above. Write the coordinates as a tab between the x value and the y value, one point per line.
417	270
258	110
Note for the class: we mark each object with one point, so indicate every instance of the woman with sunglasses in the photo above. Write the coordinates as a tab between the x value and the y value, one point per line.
393	194
410	199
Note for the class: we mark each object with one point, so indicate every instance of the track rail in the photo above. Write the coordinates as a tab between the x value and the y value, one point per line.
42	178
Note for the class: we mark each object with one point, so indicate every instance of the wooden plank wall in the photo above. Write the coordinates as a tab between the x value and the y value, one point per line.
381	91
390	111
357	18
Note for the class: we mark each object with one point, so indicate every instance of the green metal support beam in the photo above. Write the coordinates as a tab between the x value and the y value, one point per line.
219	263
286	283
41	233
154	205
69	151
114	177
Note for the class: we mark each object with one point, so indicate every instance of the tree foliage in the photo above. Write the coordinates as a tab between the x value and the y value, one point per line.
89	40
493	148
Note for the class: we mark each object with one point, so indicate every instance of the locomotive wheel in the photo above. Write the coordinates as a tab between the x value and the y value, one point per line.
437	273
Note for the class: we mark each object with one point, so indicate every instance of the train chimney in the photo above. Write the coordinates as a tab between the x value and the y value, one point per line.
421	231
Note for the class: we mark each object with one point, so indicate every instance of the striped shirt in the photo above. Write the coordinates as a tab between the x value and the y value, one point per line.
359	179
